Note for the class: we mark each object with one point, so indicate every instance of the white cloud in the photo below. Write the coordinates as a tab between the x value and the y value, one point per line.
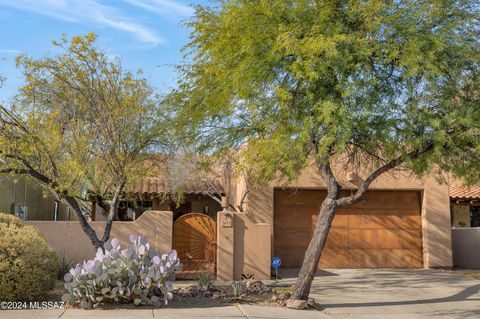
10	51
163	6
87	11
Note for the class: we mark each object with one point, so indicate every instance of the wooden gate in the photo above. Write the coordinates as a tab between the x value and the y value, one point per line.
195	240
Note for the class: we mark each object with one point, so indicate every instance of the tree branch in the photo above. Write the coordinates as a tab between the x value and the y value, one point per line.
385	168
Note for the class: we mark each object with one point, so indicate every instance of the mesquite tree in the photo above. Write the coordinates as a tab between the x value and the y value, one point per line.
82	126
382	84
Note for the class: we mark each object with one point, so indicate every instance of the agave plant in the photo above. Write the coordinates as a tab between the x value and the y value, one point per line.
130	275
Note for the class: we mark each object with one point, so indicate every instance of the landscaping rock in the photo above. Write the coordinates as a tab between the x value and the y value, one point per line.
207	294
192	291
284	296
257	287
296	304
217	295
274	298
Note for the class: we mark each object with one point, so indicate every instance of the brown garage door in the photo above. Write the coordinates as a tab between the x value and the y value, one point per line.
382	231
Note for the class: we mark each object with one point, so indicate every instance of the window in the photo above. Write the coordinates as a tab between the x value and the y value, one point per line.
474	216
130	210
465	216
20	211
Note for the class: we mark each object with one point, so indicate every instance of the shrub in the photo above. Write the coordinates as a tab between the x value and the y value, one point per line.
64	267
238	289
28	265
204	279
137	274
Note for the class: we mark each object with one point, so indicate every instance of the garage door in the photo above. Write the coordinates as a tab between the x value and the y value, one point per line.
382	231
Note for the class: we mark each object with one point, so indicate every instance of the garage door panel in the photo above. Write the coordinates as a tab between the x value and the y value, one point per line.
291	258
389	200
384	238
340	221
335	258
294	238
293	218
385	258
337	238
385	220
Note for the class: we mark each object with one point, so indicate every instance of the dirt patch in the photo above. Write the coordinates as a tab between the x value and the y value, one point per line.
57	292
218	295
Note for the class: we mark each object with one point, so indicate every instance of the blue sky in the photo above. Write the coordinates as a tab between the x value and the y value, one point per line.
147	34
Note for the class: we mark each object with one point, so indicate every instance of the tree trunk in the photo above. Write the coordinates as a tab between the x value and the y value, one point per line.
89	231
111	212
314	250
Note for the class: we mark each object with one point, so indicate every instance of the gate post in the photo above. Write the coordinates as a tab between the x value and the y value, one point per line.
225	245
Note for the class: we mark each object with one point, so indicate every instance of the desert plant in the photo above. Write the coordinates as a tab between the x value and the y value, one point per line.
64	267
133	275
238	289
204	279
28	265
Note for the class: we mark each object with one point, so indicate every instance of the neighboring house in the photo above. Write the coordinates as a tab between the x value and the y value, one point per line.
29	200
465	210
465	204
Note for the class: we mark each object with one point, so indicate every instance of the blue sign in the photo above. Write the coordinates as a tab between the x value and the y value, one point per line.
276	262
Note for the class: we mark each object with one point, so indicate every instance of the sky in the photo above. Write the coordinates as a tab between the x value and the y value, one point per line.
146	34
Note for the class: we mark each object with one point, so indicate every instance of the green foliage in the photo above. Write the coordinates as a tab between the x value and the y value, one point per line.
123	276
374	80
28	265
64	267
81	121
238	289
204	279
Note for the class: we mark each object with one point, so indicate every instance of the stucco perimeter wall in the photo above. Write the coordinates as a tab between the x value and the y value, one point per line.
243	247
437	241
465	247
69	240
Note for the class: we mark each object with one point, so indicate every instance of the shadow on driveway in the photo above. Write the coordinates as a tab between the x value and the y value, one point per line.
461	296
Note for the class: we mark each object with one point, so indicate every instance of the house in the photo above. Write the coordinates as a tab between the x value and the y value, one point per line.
29	200
402	222
465	210
465	204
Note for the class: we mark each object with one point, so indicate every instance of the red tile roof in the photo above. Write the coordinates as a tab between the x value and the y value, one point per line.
157	185
459	192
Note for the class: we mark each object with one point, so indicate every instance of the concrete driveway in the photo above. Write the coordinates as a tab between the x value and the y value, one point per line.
388	294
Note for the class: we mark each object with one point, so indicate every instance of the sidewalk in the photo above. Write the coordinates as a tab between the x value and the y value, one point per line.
230	312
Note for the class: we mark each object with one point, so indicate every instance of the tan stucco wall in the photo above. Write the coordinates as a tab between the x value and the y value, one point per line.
437	244
69	240
243	247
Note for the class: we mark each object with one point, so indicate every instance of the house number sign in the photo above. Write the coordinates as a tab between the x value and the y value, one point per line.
226	220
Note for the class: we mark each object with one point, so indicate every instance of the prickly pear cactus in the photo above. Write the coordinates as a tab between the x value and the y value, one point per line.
130	275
